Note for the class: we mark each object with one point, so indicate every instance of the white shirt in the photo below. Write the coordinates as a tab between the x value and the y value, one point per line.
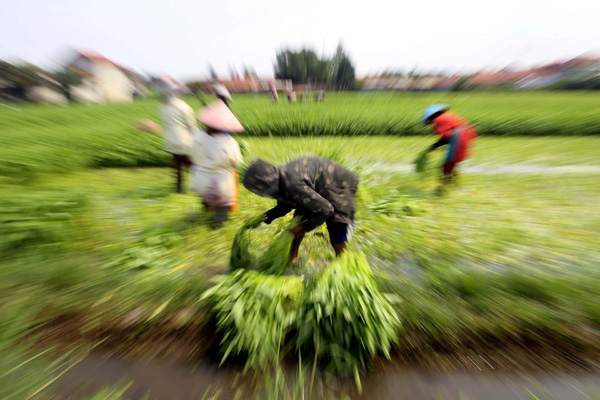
215	158
179	122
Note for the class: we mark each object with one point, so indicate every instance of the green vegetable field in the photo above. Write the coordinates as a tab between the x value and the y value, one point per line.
48	138
98	252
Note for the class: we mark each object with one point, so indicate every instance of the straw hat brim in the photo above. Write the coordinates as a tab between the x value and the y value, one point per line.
218	116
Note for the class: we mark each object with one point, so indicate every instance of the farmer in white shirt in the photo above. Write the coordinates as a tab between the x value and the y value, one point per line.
179	124
216	156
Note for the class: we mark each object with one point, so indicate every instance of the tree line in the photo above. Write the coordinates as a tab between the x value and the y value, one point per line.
305	67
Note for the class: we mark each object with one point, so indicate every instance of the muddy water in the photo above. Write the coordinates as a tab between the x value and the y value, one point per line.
177	381
407	384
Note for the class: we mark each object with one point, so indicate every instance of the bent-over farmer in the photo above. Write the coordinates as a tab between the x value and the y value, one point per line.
454	131
319	190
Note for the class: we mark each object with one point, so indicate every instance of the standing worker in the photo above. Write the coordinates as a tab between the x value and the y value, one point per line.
223	94
319	191
179	123
319	95
274	94
216	156
454	131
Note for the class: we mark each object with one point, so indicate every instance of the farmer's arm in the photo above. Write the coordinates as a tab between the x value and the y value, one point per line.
278	211
191	119
320	209
445	131
187	116
443	141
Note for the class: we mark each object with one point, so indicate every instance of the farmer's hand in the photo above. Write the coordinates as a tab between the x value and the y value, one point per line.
421	160
297	231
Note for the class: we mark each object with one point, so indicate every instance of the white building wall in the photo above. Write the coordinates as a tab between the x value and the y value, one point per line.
402	83
87	92
113	84
42	94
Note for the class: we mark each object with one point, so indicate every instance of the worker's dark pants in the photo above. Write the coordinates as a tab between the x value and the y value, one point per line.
220	214
181	163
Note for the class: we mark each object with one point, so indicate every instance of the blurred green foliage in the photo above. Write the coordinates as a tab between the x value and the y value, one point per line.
502	258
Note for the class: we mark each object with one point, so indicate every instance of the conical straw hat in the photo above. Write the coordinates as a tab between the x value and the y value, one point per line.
219	117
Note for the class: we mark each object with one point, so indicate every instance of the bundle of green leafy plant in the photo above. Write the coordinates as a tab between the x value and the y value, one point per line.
277	257
396	205
421	162
253	313
274	260
343	318
240	250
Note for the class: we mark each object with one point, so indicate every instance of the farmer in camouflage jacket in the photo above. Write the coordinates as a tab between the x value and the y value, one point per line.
319	190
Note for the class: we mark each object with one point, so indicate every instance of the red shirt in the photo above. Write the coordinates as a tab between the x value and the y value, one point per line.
449	124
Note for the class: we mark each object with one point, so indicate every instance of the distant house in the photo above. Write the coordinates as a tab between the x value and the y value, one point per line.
242	85
409	83
552	73
486	79
427	82
382	83
371	83
538	79
581	65
104	81
445	83
402	82
577	73
251	84
280	85
45	94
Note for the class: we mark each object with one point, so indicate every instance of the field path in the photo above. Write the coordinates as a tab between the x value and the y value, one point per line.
491	169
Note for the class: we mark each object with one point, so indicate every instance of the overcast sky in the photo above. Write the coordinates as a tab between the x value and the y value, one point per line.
181	37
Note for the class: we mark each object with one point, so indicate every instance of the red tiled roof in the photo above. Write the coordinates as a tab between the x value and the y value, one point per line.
172	81
99	58
446	81
497	78
240	85
581	62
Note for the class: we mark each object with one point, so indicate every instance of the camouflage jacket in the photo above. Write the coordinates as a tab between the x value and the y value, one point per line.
318	190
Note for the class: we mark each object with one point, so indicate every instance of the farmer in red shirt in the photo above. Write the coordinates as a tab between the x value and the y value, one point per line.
454	131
